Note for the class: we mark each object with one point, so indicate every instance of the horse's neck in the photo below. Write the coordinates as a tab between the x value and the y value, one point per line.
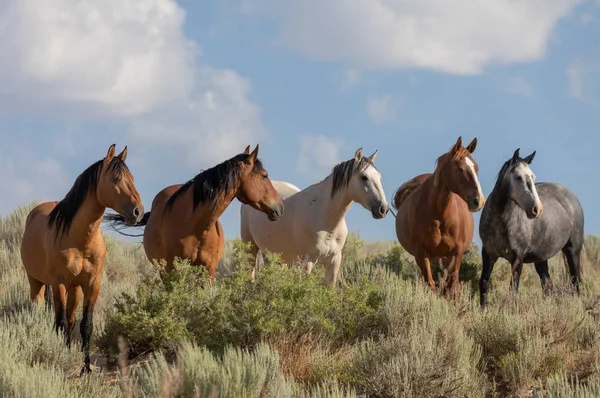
439	196
87	220
333	209
499	201
204	217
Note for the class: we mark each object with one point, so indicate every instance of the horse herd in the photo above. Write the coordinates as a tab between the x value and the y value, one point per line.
521	221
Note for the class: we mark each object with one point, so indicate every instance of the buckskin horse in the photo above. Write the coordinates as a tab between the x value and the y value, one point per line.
63	247
525	221
184	219
435	220
313	228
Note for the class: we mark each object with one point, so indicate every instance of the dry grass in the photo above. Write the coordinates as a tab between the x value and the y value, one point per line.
525	345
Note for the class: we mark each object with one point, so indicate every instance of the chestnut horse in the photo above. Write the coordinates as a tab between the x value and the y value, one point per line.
184	220
63	247
434	220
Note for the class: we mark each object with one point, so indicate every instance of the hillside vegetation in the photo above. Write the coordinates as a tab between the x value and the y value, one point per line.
381	333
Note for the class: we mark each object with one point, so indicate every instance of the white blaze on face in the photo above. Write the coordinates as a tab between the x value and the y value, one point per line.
472	168
525	172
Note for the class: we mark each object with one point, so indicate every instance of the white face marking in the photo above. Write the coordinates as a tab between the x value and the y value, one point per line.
525	171
472	168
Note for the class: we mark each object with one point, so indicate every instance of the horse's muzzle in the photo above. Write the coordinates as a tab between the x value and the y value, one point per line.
276	212
134	215
475	203
379	211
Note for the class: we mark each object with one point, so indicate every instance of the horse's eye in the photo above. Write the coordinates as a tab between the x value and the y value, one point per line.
519	177
364	178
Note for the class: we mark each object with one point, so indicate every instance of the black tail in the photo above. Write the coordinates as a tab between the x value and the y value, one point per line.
117	222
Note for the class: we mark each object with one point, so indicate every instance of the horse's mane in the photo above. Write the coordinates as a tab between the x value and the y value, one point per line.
508	165
209	184
86	183
342	173
404	191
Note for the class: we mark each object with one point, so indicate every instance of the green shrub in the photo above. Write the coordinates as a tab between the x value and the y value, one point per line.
282	302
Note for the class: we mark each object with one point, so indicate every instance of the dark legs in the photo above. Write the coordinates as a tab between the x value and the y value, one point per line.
542	270
484	281
73	298
573	257
59	293
87	324
517	267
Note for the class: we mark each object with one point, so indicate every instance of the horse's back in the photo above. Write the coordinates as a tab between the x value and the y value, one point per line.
285	189
33	253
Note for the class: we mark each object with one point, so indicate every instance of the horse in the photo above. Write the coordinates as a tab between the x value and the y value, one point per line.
525	221
63	246
434	219
184	218
314	227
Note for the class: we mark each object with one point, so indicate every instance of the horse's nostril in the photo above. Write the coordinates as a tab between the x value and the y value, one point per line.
535	210
382	210
136	212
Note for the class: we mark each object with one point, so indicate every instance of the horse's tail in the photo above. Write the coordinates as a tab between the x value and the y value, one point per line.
117	220
405	190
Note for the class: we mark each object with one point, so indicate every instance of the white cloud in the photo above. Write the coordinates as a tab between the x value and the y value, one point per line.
574	76
125	56
127	61
381	109
25	178
318	154
461	36
519	86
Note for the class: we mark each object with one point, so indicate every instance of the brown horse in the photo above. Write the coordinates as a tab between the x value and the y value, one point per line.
63	247
184	220
434	219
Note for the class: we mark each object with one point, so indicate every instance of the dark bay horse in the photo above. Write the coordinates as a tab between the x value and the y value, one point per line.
528	222
184	219
435	219
63	247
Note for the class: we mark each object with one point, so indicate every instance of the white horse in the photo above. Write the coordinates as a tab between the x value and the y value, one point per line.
313	226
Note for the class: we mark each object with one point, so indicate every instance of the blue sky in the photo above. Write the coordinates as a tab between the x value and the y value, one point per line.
188	84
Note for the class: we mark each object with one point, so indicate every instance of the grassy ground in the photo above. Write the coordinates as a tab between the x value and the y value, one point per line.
381	333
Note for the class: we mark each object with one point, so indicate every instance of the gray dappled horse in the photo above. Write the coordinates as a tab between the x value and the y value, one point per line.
528	222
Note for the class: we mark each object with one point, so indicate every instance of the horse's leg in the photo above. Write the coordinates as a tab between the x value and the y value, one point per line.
488	262
542	270
332	269
90	296
453	271
425	266
517	267
36	290
60	303
73	298
48	297
573	257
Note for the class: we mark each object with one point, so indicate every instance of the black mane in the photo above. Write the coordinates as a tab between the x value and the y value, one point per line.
209	184
342	173
86	183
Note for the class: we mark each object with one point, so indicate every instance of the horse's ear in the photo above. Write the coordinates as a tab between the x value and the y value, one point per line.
110	154
516	154
471	147
253	155
529	158
373	156
247	150
458	144
123	154
358	154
